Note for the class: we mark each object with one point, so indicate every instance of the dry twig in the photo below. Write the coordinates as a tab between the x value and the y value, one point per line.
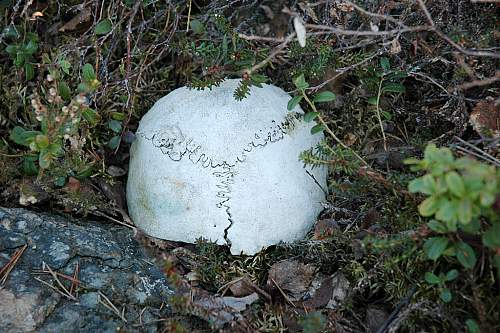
110	306
5	271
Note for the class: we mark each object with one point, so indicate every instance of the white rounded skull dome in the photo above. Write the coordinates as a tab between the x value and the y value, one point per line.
205	165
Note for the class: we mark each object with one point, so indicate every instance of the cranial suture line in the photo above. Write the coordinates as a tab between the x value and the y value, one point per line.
174	144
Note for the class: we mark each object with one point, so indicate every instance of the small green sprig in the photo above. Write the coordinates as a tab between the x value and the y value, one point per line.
386	80
440	281
314	114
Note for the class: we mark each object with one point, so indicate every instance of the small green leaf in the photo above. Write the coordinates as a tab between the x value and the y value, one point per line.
437	226
451	275
472	326
394	75
65	66
417	184
64	91
258	78
447	210
88	73
465	211
310	116
294	102
372	100
84	88
11	49
435	246
429	206
42	141
385	64
84	173
114	142
55	149
317	128
60	181
9	31
197	27
22	137
442	156
450	251
466	255
451	225
412	160
31	47
386	115
491	237
118	116
445	295
430	184
393	87
455	183
324	96
472	228
115	126
91	116
486	198
432	278
45	159
29	166
103	27
300	82
19	60
29	72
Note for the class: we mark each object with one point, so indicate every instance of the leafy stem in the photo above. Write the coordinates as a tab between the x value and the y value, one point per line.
383	81
327	128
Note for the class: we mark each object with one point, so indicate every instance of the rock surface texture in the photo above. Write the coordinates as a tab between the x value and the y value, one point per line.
111	269
207	165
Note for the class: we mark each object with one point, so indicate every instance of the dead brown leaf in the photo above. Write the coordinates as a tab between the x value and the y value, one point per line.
219	310
73	185
330	294
291	276
325	228
243	286
485	118
82	17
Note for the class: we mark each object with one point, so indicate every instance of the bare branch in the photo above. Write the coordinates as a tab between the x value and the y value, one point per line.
450	41
478	83
392	32
341	71
426	12
273	54
380	16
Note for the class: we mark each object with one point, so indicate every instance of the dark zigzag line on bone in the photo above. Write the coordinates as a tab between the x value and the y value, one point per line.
225	184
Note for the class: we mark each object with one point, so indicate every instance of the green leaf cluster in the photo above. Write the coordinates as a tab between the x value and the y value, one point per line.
460	195
60	116
381	82
243	89
321	97
440	281
22	52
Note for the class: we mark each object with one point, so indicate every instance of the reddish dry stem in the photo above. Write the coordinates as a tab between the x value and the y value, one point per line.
5	271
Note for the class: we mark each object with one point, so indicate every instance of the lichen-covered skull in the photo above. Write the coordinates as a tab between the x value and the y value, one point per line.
207	165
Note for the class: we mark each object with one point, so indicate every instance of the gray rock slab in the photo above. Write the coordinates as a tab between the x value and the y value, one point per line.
110	263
